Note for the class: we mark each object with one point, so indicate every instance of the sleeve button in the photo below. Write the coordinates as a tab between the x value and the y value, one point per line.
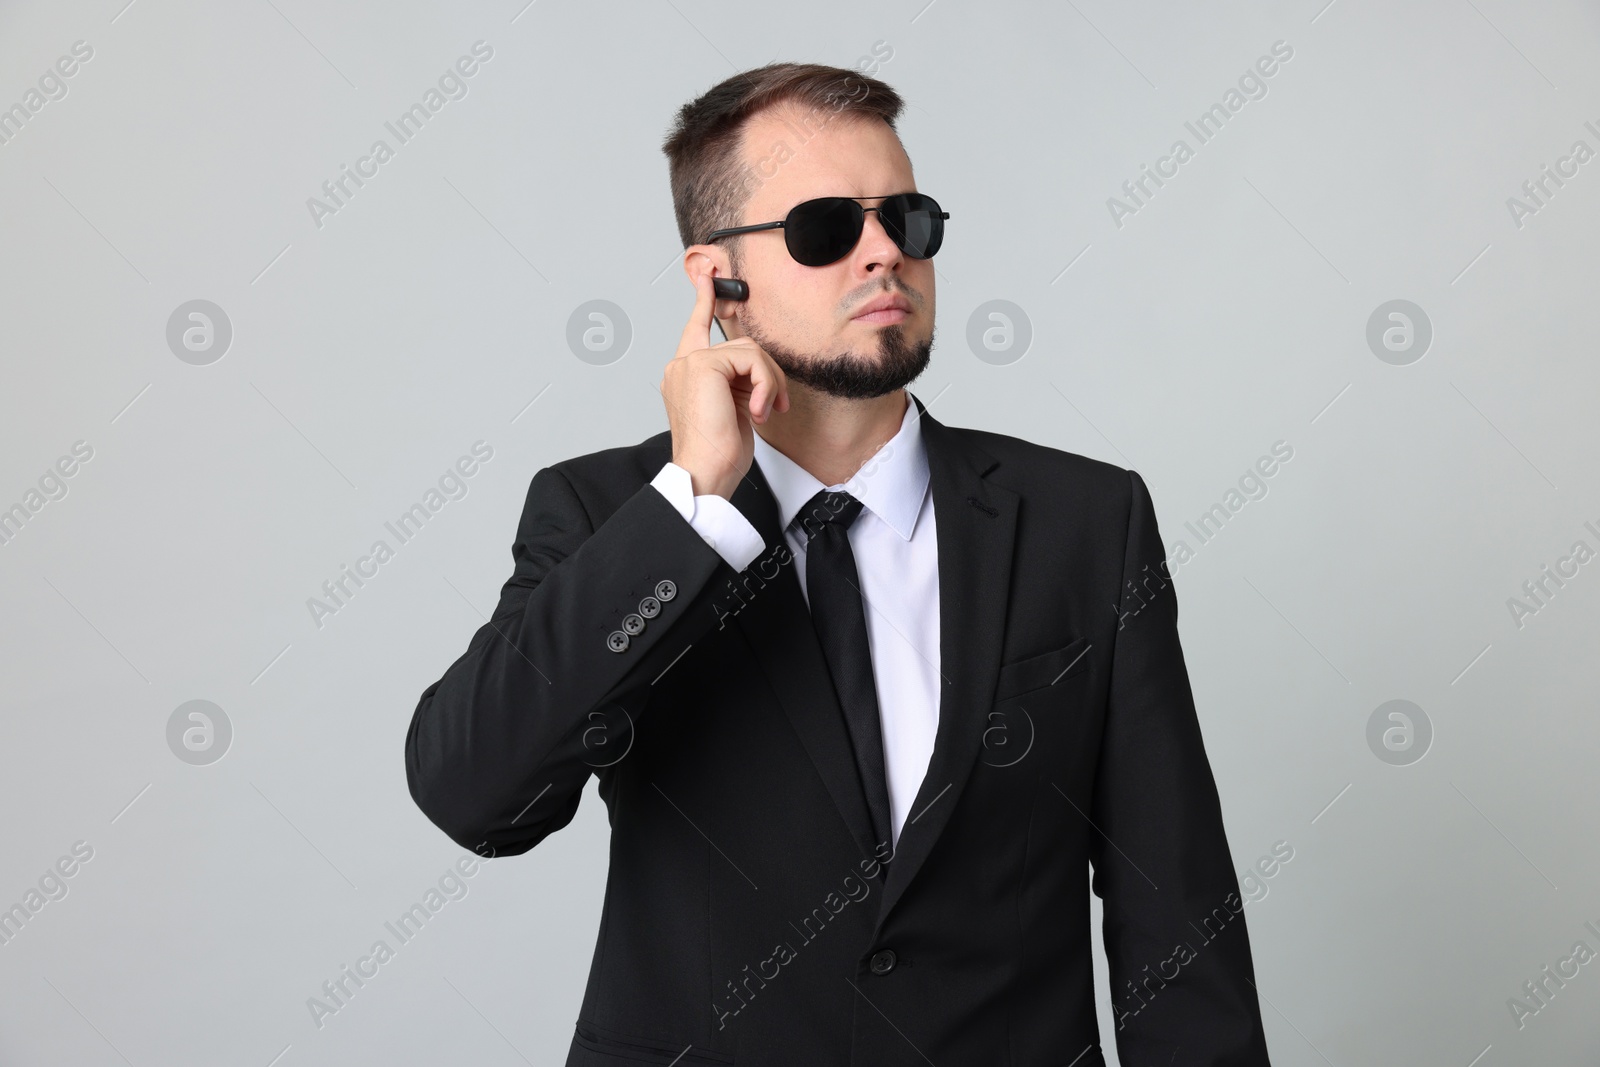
617	641
649	607
666	590
632	625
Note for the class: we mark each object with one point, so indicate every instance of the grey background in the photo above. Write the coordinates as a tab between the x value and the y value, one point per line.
431	312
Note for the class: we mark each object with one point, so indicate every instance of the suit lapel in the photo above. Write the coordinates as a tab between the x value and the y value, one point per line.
777	624
975	545
975	542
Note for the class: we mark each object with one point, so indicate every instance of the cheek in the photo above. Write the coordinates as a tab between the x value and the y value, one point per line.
918	274
779	311
785	285
803	301
924	281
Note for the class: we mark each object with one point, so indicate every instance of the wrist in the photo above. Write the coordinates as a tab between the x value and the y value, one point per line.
705	486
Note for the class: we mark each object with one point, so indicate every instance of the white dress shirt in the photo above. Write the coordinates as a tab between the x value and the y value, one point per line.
897	558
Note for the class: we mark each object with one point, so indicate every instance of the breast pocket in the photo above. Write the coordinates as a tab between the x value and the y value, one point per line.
617	1048
1047	669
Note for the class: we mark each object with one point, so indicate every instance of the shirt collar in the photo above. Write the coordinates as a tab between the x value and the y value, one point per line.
891	484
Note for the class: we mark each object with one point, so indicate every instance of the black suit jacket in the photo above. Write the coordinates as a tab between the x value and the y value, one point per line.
749	917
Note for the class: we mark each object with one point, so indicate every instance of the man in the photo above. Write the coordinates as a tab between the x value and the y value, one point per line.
866	695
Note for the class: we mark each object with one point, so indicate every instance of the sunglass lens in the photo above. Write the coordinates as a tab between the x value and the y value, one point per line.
819	232
915	223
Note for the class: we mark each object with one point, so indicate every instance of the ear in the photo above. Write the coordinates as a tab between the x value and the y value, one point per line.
697	259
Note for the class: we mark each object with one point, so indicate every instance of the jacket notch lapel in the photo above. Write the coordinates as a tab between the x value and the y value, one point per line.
771	613
975	520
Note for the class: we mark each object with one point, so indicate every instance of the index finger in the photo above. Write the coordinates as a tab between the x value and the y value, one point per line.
697	333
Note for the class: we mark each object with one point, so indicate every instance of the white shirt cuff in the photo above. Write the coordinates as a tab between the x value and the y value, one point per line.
717	521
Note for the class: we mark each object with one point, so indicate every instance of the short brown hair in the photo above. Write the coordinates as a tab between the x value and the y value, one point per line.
710	183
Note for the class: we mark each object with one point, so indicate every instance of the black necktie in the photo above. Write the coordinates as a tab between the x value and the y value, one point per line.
833	587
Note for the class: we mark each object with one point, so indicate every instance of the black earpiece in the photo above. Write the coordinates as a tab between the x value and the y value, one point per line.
729	289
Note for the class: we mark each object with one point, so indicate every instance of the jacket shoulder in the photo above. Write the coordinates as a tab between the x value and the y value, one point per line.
604	480
1029	466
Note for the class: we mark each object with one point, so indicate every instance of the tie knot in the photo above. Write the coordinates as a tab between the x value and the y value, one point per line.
830	507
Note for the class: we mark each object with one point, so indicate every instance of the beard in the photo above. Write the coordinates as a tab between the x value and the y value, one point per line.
847	375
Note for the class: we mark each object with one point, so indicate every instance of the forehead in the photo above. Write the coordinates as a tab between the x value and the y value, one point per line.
797	153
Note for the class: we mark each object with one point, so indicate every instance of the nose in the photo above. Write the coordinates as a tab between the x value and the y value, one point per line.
876	248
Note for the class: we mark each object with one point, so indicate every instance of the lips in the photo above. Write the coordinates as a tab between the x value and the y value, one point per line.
888	308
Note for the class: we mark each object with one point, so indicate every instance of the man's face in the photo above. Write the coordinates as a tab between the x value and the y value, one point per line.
810	319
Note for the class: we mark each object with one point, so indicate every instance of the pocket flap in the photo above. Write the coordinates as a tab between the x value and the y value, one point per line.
1045	669
611	1044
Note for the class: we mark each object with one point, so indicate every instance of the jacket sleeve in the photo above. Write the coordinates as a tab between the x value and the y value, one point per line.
1182	982
500	748
717	521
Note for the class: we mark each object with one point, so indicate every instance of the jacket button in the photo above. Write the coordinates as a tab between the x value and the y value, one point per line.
618	641
632	625
666	589
649	607
883	962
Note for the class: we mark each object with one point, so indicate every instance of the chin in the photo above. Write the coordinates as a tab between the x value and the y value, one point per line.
860	366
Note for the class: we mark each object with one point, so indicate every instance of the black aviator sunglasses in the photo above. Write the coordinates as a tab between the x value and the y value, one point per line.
822	231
